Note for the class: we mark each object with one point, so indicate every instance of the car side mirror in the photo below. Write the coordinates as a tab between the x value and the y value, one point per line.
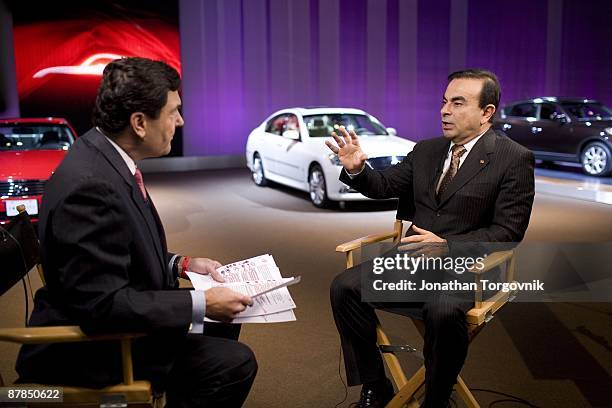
392	131
292	134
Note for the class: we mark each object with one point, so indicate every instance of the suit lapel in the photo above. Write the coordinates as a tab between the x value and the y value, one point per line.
162	238
440	151
112	156
477	159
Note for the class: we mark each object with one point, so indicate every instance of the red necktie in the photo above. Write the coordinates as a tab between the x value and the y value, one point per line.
140	183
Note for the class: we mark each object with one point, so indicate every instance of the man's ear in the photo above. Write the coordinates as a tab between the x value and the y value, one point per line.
489	111
137	122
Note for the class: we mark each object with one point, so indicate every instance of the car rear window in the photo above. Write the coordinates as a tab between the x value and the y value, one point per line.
588	111
35	137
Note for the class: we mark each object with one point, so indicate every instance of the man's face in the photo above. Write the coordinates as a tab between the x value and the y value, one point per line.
462	118
160	131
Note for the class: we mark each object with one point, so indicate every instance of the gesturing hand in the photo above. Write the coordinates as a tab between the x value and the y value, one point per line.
348	150
224	304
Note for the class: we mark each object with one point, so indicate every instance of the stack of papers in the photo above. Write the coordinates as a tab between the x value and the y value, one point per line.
252	277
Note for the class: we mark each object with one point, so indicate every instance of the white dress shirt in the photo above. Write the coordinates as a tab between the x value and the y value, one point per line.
468	147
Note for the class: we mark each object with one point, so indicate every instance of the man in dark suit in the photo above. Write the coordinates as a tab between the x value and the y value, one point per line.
472	185
106	264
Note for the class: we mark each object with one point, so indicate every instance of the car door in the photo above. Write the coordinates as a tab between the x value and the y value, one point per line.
271	147
518	121
552	130
290	150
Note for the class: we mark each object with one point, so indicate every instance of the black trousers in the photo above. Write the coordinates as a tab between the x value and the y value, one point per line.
446	337
195	370
213	369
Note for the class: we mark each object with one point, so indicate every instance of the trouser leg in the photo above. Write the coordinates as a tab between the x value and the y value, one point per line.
211	372
356	323
446	344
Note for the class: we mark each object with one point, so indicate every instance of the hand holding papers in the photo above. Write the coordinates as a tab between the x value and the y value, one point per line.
259	278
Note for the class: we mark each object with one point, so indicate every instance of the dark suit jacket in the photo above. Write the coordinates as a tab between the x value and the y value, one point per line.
105	262
489	199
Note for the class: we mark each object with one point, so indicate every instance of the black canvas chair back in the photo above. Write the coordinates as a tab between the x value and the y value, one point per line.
405	207
19	250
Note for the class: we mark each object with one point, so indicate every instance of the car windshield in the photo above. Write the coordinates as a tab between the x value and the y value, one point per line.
323	125
35	137
588	111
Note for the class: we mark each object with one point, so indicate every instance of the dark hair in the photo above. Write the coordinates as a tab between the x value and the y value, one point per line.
132	85
491	91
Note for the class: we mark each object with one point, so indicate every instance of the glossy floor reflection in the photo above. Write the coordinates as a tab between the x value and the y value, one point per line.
568	180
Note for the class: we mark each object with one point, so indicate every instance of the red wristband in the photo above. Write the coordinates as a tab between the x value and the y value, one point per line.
185	266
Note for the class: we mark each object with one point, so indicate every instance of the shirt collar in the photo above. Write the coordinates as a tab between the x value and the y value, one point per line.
468	146
126	158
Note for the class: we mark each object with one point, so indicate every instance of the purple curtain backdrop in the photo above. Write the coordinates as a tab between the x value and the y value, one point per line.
244	59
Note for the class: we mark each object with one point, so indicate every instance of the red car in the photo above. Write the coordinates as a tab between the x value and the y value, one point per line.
30	150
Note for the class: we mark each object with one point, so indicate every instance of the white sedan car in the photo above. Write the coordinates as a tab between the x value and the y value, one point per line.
289	148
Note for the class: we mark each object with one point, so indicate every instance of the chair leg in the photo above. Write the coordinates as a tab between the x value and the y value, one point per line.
406	394
465	393
395	368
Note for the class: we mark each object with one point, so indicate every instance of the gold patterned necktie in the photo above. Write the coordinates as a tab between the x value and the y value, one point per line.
457	152
140	183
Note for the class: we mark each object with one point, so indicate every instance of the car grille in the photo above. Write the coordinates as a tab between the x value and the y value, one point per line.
19	188
381	163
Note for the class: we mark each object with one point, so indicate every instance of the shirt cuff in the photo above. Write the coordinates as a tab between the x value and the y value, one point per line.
198	311
353	175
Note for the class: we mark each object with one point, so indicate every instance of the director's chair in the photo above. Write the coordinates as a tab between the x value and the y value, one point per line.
20	253
410	390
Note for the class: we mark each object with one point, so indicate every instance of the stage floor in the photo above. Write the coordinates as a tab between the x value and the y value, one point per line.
552	355
549	354
568	180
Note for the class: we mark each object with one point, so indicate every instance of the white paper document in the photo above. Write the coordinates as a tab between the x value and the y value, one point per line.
252	277
286	282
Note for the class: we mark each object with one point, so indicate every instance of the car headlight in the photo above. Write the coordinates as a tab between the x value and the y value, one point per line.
333	158
608	131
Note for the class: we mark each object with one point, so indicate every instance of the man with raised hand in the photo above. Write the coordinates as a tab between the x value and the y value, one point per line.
472	185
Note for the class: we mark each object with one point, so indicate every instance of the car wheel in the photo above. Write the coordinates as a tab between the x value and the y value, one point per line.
259	177
317	187
596	159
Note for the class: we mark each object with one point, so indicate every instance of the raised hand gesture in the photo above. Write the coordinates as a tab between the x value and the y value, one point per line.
348	150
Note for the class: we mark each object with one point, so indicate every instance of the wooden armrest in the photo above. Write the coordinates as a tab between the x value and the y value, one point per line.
478	315
57	334
368	239
493	260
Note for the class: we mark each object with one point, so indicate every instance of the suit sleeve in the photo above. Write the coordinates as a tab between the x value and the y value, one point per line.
94	254
389	183
512	207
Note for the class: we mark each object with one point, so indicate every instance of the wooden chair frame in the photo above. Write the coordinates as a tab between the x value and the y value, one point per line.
413	388
134	392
